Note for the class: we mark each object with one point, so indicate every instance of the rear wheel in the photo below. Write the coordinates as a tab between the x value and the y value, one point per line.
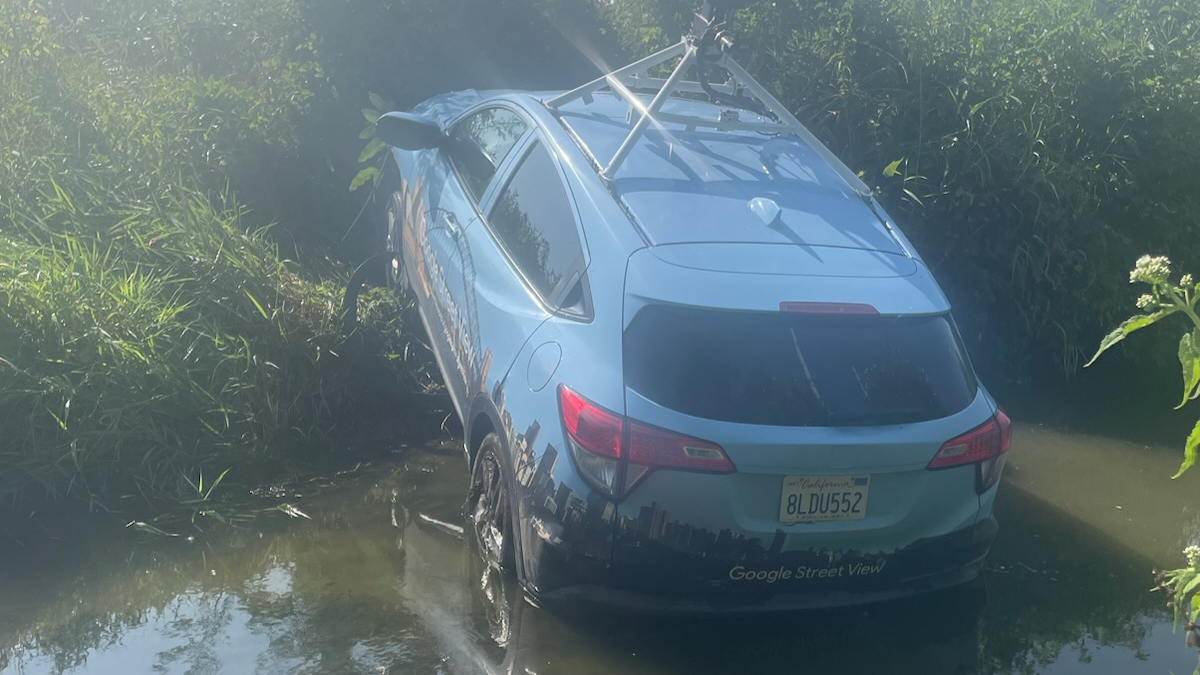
489	505
493	588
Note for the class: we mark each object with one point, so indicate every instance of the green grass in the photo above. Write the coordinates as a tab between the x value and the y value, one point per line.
151	329
149	340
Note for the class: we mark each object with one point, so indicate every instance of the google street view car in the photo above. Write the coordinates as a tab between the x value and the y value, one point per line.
698	366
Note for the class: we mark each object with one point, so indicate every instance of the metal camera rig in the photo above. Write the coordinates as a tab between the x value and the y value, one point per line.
706	49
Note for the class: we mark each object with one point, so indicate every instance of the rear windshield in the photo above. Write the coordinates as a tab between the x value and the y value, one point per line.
802	370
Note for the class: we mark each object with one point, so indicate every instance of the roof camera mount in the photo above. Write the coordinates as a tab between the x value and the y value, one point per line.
705	49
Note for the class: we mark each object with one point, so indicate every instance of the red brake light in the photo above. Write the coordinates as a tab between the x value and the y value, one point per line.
828	308
599	439
980	444
591	427
650	446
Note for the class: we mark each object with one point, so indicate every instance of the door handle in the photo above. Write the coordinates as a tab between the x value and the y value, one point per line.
444	219
450	221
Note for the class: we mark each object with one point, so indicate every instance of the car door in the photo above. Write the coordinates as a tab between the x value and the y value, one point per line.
529	259
438	253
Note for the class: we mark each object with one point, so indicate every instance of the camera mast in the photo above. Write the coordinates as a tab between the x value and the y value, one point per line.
705	50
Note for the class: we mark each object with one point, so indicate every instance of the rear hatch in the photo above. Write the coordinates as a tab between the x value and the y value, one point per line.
819	371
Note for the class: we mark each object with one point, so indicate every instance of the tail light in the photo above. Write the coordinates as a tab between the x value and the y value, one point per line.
983	446
615	453
596	437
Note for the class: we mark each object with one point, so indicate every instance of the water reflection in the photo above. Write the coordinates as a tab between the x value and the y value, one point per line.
381	581
483	627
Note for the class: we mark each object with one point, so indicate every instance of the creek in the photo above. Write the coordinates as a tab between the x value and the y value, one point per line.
371	574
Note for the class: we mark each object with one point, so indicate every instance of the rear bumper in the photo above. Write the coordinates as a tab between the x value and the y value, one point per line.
645	578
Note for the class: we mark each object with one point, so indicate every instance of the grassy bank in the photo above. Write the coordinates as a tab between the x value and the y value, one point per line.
151	329
145	342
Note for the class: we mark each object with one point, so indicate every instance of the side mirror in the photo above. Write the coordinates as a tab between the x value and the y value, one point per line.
410	132
413	132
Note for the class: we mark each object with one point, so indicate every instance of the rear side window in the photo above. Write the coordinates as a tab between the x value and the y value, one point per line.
535	222
494	131
798	370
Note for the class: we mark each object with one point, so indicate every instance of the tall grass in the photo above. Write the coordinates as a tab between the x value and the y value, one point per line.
173	228
145	342
150	329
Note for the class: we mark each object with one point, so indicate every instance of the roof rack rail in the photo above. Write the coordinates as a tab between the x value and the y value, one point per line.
705	47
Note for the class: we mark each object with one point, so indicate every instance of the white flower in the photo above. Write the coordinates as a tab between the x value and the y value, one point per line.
1151	270
1193	554
1186	280
1145	302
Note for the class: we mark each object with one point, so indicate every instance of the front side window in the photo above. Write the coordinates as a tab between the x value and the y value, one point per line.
535	222
494	131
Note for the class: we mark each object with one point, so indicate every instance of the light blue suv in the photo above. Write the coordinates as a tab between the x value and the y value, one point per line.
697	366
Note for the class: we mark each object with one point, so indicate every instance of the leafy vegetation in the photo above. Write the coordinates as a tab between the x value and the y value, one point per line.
150	329
140	339
1165	299
1181	586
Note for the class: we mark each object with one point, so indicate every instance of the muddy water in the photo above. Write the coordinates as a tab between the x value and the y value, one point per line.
378	580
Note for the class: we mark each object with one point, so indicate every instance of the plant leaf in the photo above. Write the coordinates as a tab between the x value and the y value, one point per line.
367	132
257	305
1181	579
293	511
216	483
1189	450
1128	326
1189	359
376	100
1189	589
975	108
374	147
362	177
892	169
371	115
147	527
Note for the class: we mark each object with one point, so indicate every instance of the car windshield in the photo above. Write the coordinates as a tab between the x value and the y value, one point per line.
789	369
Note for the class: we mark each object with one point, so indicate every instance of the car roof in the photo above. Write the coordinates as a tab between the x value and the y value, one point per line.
685	185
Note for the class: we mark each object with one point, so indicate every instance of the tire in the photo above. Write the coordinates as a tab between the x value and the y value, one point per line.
489	507
394	217
494	591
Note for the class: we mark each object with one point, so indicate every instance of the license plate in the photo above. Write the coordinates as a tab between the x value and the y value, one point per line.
819	498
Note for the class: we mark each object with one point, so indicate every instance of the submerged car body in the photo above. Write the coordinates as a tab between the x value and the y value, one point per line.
717	380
